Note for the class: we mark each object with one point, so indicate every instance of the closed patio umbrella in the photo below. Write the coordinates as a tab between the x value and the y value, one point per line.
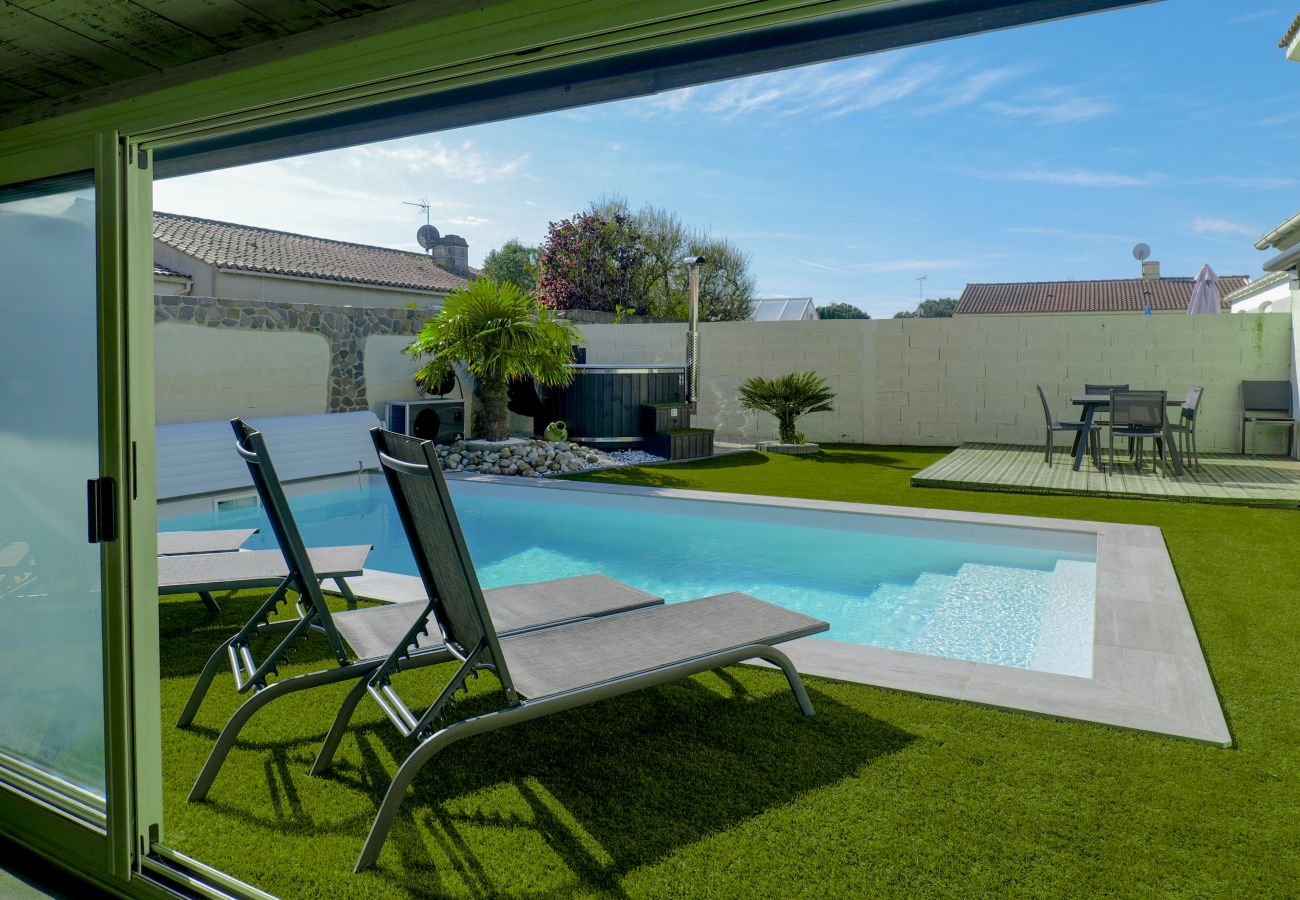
1205	293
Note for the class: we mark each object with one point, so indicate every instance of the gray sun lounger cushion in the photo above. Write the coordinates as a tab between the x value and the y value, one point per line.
373	632
178	543
251	568
571	657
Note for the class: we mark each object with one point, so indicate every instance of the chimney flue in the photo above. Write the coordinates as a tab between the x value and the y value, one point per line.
1150	268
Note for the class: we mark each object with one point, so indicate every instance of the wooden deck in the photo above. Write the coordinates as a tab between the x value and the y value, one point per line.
1224	477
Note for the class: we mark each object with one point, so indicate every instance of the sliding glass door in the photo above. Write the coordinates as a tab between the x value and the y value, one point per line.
51	637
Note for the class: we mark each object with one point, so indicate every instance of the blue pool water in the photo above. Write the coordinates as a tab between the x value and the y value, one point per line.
996	594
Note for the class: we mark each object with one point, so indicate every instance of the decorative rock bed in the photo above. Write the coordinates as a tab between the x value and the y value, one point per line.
531	457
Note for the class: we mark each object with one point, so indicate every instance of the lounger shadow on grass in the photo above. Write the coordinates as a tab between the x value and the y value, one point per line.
658	770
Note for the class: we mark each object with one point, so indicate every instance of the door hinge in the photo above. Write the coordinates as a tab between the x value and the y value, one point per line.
101	510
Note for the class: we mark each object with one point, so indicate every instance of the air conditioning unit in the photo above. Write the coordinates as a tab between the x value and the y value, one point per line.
441	421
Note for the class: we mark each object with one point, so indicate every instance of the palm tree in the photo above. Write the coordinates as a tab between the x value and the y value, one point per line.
788	398
500	334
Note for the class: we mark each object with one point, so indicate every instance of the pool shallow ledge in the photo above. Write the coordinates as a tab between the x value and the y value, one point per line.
1149	672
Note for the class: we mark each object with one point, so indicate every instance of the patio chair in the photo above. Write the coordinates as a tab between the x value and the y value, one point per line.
1054	425
1138	415
1267	403
182	543
360	640
1185	429
1103	389
553	669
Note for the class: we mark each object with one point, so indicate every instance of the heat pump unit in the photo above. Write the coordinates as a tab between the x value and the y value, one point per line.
441	421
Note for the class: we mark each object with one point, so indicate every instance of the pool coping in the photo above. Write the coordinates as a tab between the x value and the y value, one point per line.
1149	671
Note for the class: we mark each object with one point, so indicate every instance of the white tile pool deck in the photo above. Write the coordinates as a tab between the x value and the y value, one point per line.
1149	673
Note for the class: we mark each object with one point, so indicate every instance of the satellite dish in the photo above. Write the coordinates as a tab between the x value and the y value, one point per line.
1141	252
427	236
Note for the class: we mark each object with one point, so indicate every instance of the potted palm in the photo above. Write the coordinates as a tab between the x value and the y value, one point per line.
788	398
499	333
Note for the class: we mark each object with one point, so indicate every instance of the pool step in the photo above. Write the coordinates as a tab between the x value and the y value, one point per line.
990	614
1065	638
892	609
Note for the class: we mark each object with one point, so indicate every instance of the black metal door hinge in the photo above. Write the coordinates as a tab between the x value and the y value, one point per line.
101	510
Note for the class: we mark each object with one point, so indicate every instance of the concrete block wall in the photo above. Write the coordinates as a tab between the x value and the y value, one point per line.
207	374
949	381
736	350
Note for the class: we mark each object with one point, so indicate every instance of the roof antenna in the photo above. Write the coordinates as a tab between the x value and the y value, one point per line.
427	235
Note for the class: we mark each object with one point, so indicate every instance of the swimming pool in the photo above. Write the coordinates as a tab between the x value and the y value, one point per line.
997	594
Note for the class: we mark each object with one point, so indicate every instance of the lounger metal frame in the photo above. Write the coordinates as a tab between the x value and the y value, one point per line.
402	457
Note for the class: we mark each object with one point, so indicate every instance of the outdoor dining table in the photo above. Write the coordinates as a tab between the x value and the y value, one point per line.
1092	402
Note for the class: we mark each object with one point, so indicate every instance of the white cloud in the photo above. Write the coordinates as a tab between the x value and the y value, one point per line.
937	263
827	91
1070	177
468	220
1210	225
1250	182
1051	106
1257	16
972	88
817	265
420	156
1066	234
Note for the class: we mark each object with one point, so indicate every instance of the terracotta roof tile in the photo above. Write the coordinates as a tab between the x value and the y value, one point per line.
1114	295
1290	33
251	249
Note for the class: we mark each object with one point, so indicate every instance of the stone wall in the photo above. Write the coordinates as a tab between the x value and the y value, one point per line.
948	381
345	329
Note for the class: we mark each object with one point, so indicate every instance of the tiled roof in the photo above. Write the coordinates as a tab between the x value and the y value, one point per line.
159	269
1290	33
250	249
1115	295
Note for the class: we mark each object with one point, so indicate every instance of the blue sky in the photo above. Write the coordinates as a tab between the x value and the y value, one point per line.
1038	153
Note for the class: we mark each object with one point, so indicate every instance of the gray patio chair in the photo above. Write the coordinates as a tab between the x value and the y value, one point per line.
361	639
554	669
181	543
1138	415
1102	416
1185	428
1054	425
1267	403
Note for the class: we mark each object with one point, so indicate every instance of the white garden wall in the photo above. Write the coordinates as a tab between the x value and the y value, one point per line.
948	381
207	374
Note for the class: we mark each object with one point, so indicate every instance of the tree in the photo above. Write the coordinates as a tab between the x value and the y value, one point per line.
936	308
841	311
657	283
591	262
514	262
788	397
499	333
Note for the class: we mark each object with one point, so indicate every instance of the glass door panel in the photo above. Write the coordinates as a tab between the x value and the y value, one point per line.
51	641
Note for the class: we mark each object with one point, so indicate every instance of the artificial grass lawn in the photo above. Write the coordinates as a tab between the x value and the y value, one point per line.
716	786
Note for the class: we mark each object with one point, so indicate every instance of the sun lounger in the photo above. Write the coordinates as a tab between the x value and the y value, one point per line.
13	573
551	669
362	639
179	543
204	573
